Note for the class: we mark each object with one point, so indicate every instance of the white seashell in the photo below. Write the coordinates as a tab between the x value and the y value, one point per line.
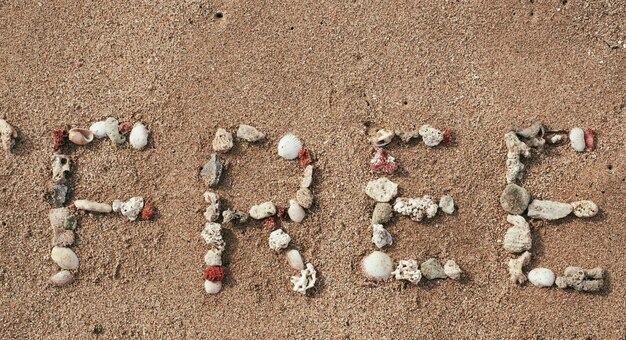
289	146
517	238
296	212
585	208
62	278
577	139
263	210
99	129
516	268
223	141
377	266
64	258
430	135
93	206
381	190
295	259
249	133
380	236
7	135
113	131
408	270
452	270
80	136
212	287
138	138
132	208
382	137
548	210
541	277
279	240
306	280
213	257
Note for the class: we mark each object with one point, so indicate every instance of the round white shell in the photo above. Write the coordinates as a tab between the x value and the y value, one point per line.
541	277
295	211
64	257
138	136
213	257
377	266
295	259
99	129
289	146
577	139
212	287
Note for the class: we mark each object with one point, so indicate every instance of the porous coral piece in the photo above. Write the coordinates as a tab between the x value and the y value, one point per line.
381	190
59	136
263	210
516	268
430	135
516	150
113	131
306	280
60	168
212	212
380	236
408	270
279	240
416	208
383	162
532	135
215	273
212	235
583	280
132	208
148	211
517	238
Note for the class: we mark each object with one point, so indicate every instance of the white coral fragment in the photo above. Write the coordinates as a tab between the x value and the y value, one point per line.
517	238
515	268
430	135
516	148
212	235
279	240
408	270
380	236
306	280
132	208
416	208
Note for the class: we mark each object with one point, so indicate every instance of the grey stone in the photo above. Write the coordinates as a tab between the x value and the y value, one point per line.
382	213
212	171
432	269
514	199
446	204
59	194
548	210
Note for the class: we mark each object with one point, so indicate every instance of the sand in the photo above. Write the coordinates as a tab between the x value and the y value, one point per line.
329	71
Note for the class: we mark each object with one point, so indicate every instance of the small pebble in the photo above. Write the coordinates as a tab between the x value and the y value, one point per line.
223	141
213	257
541	277
304	197
377	266
432	269
57	217
279	240
446	204
263	210
62	238
307	179
64	258
381	190
548	210
585	208
430	135
62	278
212	287
382	213
70	223
295	259
138	138
380	236
249	133
296	212
577	139
452	270
514	199
212	171
59	194
289	147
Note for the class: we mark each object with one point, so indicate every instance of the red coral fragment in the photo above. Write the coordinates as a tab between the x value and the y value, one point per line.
305	157
215	273
147	212
589	139
269	223
281	212
383	162
59	136
447	137
125	127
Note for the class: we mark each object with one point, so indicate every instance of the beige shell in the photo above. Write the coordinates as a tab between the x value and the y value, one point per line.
382	137
80	136
65	258
62	278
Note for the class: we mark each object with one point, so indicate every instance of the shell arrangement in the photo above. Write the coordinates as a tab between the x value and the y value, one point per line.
270	216
378	266
64	221
522	143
